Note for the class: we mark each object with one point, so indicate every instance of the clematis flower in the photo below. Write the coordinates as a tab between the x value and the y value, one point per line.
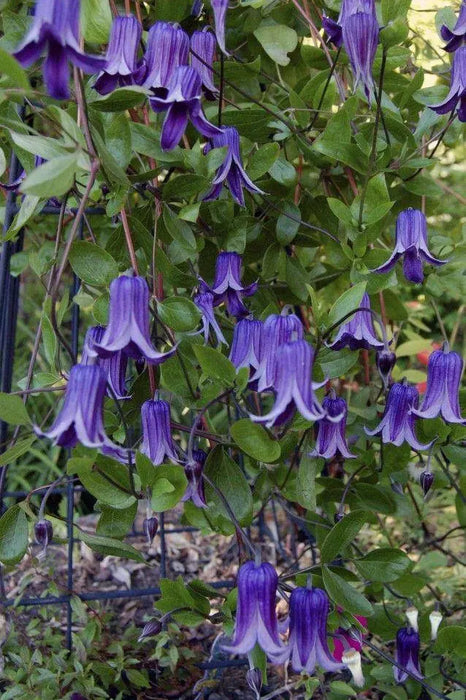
360	33
81	416
193	471
278	329
348	638
397	424
203	46
128	323
182	103
309	609
231	171
444	372
121	58
385	361
246	345
220	8
293	386
227	287
331	437
167	49
256	619
348	8
353	662
114	366
55	31
407	654
435	619
455	37
205	303
411	244
157	442
358	333
457	87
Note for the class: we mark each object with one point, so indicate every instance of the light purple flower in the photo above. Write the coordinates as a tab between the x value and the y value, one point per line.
256	619
278	329
205	303
114	366
246	344
182	103
411	244
444	371
331	437
309	609
55	31
121	57
203	47
398	420
167	49
358	333
227	287
407	654
293	386
128	323
348	8
157	442
193	470
360	34
231	171
220	8
455	36
457	87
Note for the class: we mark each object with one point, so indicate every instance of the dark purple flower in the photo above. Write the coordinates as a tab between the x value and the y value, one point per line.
360	33
331	437
426	479
150	629
203	47
182	103
457	87
121	57
150	527
157	442
293	386
114	366
385	361
128	323
277	330
205	303
55	30
167	49
358	333
407	654
220	8
455	36
411	244
309	608
246	345
348	8
43	532
193	470
227	287
444	371
231	170
397	424
81	416
256	619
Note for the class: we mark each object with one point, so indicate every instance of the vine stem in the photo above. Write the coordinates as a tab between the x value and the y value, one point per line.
129	241
198	420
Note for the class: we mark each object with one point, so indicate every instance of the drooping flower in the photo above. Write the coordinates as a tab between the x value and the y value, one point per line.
256	619
157	441
55	31
385	361
457	87
411	244
246	345
444	371
114	366
167	49
150	527
426	479
358	333
43	533
231	171
293	386
203	46
121	57
412	615
227	287
81	416
331	438
309	609
182	103
278	329
220	10
352	660
128	323
455	37
407	654
193	470
348	8
397	424
344	638
435	619
205	303
360	33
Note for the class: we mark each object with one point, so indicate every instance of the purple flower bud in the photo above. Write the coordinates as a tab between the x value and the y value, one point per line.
338	517
114	366
444	371
203	47
348	8
331	438
358	333
360	34
385	361
55	31
77	696
167	49
246	345
407	654
205	303
426	479
396	487
455	36
457	87
150	629
193	470
43	532
121	58
254	680
157	442
220	10
150	527
227	287
277	330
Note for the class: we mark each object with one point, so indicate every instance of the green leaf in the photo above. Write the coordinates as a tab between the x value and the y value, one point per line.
13	410
452	639
306	486
116	522
336	363
349	301
168	486
384	565
255	441
9	66
341	688
227	476
120	99
177	594
145	469
179	313
13	535
96	20
277	40
109	546
345	595
342	534
108	481
283	173
92	264
214	364
52	179
20	448
341	211
288	223
262	160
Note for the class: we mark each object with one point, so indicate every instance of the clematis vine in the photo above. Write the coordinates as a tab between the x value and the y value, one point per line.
358	333
278	329
348	7
227	287
407	654
331	438
167	49
455	37
205	303
202	45
457	91
444	371
157	441
114	366
360	34
121	58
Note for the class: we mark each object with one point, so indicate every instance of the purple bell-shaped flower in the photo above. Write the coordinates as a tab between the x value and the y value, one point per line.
167	49
121	58
348	7
203	47
455	37
227	287
193	470
444	371
407	654
246	344
278	329
358	333
205	303
331	438
360	33
157	441
457	87
220	8
114	366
